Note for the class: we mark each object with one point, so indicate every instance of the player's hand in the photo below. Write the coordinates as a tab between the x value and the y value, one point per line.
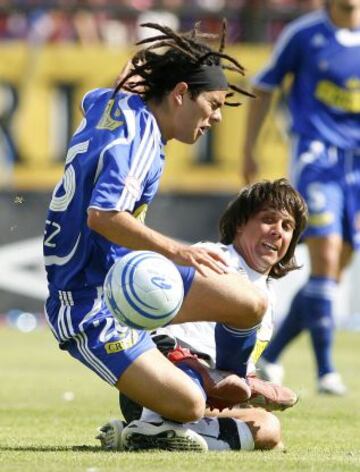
132	83
250	167
124	72
200	257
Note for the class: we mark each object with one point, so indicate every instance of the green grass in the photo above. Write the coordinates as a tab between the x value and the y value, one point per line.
42	431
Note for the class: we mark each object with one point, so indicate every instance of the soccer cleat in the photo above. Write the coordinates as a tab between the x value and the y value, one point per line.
168	436
110	435
331	384
269	395
270	371
223	389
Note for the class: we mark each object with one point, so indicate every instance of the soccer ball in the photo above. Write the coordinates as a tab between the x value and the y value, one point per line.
144	290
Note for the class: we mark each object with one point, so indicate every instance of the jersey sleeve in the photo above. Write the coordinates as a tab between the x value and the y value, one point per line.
90	99
285	59
124	169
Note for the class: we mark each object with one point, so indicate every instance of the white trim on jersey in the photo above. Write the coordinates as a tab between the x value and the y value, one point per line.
69	321
289	32
66	298
69	183
62	260
51	326
327	291
348	38
95	308
81	126
84	98
305	22
82	344
140	165
130	123
241	333
61	325
79	148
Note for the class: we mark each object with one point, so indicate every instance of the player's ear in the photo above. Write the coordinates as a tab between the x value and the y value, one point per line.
179	91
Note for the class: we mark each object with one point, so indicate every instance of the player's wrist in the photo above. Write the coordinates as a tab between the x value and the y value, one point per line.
173	250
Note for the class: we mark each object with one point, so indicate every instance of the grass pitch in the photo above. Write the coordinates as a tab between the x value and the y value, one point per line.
50	407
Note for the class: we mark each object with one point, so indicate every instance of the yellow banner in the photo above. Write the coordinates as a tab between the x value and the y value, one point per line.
49	82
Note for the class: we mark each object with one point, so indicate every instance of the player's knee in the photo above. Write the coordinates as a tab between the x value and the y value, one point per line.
191	409
268	433
258	307
261	307
194	410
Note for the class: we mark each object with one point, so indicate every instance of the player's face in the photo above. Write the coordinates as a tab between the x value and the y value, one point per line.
196	116
265	238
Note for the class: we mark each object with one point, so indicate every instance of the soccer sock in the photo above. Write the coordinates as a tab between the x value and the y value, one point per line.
290	327
224	434
320	293
195	376
150	416
234	347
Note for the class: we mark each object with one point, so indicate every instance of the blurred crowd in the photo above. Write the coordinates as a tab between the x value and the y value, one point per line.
116	22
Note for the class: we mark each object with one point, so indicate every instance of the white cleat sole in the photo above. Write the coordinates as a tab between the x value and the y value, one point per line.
168	436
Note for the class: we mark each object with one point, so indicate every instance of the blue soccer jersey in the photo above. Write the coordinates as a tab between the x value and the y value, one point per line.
324	98
114	163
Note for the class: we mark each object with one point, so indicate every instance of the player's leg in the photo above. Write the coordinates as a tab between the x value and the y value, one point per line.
149	378
235	429
312	309
123	357
313	305
264	426
320	296
320	182
237	304
346	257
154	382
130	361
228	298
234	348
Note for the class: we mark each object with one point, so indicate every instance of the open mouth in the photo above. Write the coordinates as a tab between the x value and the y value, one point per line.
203	129
270	246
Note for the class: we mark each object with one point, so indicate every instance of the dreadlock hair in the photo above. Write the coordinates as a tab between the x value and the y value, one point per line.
171	55
278	195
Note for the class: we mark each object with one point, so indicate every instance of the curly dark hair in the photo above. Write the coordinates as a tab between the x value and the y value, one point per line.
172	55
279	195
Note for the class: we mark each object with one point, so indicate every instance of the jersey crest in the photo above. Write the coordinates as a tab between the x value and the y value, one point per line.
111	118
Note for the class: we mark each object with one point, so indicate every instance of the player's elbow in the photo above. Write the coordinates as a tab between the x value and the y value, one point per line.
100	221
258	307
93	219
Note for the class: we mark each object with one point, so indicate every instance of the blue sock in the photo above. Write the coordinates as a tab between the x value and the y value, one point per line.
290	327
234	347
320	292
195	376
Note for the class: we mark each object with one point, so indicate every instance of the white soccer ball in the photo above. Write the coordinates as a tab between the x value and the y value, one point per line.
144	290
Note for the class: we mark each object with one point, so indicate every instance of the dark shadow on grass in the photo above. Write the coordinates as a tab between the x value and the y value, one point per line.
53	448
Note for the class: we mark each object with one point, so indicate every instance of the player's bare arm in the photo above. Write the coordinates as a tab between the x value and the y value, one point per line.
258	110
123	229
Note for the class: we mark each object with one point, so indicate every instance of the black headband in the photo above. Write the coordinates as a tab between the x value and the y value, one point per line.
208	78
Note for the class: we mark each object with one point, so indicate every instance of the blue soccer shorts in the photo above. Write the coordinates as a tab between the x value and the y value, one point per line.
329	180
83	326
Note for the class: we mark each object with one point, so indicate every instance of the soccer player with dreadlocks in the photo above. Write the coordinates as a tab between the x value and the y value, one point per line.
175	89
